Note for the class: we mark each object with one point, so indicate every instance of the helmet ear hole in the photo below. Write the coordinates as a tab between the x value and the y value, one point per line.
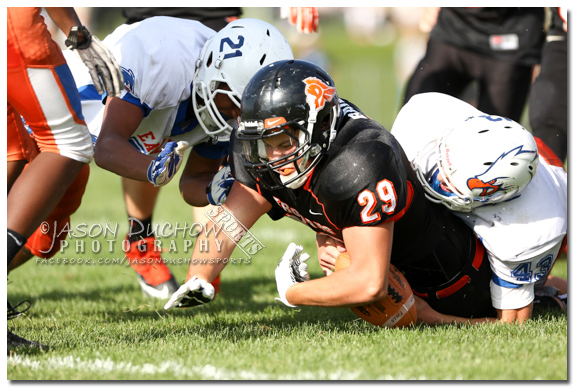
263	60
209	61
484	131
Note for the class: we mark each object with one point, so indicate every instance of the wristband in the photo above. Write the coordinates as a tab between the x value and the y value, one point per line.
72	40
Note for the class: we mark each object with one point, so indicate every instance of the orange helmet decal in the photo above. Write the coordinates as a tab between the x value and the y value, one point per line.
273	122
317	93
488	188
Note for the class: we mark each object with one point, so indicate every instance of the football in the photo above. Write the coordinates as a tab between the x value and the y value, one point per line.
396	310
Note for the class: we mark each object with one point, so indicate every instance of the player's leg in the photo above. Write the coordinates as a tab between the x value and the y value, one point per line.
145	256
548	99
440	70
48	238
49	102
20	146
551	295
41	88
503	88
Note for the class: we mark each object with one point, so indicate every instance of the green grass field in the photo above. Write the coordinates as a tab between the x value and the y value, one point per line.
99	327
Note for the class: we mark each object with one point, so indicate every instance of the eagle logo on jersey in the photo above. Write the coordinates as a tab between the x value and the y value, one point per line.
129	79
317	93
487	182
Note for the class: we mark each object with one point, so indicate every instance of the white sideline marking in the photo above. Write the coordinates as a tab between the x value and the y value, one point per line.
178	370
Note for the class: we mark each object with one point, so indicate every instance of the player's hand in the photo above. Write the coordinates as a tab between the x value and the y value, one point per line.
328	249
192	293
292	269
306	19
220	186
104	70
167	163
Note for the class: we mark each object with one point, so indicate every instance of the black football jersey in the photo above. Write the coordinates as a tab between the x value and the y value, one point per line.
514	34
366	179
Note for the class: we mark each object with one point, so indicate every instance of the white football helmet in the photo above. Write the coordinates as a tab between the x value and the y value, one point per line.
484	160
232	57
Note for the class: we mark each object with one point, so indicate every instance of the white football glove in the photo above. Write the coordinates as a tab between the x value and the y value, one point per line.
220	186
167	163
192	293
291	269
104	70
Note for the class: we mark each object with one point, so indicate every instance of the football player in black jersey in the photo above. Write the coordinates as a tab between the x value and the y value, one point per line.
493	49
302	152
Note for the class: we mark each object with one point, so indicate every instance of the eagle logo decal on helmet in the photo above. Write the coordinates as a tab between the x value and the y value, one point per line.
487	187
317	93
488	184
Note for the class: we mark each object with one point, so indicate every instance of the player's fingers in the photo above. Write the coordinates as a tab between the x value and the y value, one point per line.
327	262
330	254
340	246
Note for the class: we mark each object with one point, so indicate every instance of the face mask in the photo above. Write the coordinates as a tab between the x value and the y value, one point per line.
438	186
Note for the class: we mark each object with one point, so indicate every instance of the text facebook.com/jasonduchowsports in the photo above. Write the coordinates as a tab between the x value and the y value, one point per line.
99	243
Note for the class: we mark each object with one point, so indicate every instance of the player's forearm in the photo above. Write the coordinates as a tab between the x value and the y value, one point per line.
340	289
207	271
442	319
243	206
193	189
210	256
426	314
113	151
115	154
64	18
196	177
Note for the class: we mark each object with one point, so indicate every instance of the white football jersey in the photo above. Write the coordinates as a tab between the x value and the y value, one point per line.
522	236
158	58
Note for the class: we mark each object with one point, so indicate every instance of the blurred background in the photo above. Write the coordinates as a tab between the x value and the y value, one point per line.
369	51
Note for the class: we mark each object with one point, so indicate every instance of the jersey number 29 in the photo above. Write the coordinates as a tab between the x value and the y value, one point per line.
367	199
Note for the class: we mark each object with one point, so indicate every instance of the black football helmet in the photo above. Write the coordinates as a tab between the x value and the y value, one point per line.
296	98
